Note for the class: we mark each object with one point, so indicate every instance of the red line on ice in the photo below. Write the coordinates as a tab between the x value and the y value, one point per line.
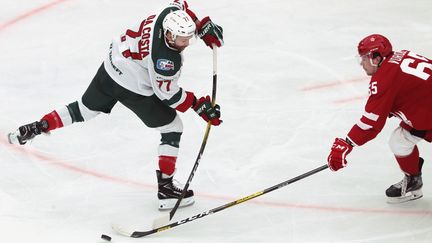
30	13
64	165
53	161
332	84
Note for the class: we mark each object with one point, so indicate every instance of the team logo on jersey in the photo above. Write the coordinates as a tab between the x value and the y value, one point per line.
164	65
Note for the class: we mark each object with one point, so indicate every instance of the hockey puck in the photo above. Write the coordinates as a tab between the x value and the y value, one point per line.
106	237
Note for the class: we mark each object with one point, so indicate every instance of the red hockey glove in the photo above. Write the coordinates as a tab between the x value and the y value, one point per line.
340	149
190	12
210	33
204	108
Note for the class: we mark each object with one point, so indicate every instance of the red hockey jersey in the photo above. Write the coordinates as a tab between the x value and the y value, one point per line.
401	87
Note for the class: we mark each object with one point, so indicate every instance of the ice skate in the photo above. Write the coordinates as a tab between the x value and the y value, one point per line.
409	188
168	193
27	132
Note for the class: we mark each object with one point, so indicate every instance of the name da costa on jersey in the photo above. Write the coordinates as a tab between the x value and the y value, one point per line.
144	44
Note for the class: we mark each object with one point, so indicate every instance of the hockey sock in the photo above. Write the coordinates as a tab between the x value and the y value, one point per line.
410	164
54	121
167	164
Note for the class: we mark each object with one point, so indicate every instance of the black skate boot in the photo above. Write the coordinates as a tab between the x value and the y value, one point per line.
28	132
168	193
406	190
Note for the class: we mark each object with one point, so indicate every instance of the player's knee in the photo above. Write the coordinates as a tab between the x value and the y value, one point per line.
170	143
401	142
175	126
171	139
79	112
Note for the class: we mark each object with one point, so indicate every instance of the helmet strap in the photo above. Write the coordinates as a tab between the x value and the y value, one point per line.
371	60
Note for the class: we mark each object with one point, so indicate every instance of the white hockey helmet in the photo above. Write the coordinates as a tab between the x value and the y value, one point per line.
179	23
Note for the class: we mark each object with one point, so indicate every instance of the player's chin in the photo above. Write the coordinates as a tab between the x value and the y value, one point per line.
181	48
369	73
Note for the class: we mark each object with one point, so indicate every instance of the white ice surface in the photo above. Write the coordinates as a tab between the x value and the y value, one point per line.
70	186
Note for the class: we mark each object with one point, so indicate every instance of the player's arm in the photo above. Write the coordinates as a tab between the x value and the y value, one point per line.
375	115
166	88
369	125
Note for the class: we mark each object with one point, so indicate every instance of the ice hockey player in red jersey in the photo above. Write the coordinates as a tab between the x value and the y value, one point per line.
400	86
141	71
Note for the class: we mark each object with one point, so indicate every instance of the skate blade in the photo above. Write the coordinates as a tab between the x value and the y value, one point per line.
13	138
167	204
414	195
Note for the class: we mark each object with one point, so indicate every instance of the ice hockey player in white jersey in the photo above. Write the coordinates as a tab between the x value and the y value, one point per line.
142	71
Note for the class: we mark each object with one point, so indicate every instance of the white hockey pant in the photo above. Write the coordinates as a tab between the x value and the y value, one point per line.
402	142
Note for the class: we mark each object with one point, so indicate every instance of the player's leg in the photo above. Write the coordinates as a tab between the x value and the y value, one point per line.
168	192
155	114
403	145
94	101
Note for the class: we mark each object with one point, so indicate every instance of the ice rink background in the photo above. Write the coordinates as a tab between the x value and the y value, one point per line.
288	83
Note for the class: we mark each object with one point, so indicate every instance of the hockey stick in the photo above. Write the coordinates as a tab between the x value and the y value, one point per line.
139	234
165	219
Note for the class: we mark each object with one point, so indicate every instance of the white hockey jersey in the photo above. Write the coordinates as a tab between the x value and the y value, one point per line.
139	60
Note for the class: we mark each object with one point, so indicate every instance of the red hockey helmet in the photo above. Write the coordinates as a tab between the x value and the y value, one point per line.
375	44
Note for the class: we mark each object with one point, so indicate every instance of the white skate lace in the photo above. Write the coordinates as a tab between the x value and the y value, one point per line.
403	185
175	185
